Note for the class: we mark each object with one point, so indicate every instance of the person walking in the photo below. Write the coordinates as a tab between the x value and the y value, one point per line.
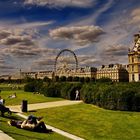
77	96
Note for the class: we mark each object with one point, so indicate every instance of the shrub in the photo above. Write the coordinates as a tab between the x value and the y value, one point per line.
51	91
33	86
75	79
62	78
104	79
69	79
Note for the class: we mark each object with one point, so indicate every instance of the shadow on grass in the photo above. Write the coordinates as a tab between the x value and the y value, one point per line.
29	137
32	111
11	117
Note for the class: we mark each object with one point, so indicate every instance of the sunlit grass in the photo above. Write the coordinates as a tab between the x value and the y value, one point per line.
93	123
20	134
29	96
7	90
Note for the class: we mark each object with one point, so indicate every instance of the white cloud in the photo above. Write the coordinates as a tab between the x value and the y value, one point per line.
116	50
135	16
80	35
92	18
86	60
60	3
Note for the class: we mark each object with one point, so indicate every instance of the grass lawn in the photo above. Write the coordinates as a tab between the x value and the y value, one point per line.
20	134
93	123
10	89
11	86
22	95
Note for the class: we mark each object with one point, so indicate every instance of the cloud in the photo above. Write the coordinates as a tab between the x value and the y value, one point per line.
2	61
27	51
44	63
4	34
87	60
117	50
14	37
114	54
6	67
21	40
13	40
135	14
92	18
80	35
61	3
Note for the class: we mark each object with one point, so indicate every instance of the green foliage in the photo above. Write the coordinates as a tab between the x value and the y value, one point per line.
104	79
46	79
65	90
33	86
87	79
105	93
52	90
81	79
56	78
69	79
117	96
75	79
62	78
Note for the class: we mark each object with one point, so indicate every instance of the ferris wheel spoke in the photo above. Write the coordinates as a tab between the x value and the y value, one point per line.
66	61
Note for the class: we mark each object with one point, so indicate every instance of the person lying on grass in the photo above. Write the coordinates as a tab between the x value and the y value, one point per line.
32	123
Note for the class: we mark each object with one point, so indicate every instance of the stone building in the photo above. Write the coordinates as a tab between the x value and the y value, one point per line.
80	72
116	72
37	75
134	60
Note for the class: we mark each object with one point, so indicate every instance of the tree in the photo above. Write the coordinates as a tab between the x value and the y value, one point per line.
76	79
69	79
81	79
104	79
63	78
46	79
56	78
87	79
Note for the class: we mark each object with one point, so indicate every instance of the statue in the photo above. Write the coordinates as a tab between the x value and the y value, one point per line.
137	42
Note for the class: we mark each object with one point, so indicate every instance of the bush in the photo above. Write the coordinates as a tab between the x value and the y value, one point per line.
33	86
69	79
62	78
104	80
75	79
116	96
51	90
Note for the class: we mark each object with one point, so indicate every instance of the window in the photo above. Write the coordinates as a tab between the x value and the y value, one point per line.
138	58
132	67
132	59
133	78
139	68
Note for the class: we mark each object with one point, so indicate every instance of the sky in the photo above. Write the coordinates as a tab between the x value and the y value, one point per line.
33	32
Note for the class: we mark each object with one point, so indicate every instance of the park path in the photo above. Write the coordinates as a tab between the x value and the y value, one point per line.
31	107
4	136
36	106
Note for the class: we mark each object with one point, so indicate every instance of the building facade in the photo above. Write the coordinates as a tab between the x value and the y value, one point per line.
134	60
80	72
116	72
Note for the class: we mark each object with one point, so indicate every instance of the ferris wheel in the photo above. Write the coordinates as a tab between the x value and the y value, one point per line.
65	61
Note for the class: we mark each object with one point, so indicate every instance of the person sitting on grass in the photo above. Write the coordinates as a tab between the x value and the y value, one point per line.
2	101
12	96
32	123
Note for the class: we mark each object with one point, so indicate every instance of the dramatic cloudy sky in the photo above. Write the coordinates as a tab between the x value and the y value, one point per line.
32	32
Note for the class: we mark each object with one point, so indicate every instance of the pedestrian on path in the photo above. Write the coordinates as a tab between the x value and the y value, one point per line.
77	95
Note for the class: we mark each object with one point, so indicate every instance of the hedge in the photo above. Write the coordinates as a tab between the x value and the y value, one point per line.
108	95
